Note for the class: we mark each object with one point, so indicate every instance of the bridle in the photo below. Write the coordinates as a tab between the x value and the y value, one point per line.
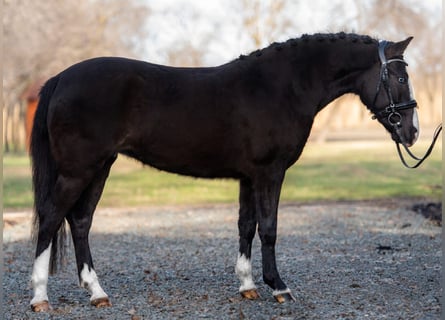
391	112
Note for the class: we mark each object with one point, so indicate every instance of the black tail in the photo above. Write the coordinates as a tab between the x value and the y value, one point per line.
44	172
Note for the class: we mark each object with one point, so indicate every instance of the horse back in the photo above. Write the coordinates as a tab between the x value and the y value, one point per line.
195	121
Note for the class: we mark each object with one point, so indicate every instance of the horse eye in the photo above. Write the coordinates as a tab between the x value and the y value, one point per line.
402	80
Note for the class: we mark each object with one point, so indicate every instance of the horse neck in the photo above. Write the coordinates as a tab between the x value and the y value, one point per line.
317	72
339	67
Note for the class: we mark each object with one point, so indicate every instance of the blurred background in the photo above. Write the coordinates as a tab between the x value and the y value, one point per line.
41	38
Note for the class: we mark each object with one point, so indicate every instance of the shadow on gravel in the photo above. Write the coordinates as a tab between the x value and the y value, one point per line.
430	210
333	274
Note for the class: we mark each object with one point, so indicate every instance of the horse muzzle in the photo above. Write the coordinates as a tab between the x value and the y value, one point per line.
403	130
406	137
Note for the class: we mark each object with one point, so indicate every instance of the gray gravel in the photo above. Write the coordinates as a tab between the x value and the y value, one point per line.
356	260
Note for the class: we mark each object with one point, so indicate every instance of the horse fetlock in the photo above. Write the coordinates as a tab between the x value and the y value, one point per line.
89	281
273	281
243	270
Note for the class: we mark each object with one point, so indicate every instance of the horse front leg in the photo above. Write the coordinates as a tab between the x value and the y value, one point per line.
247	227
267	194
87	275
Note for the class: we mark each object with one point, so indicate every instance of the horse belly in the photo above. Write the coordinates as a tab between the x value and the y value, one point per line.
202	156
197	166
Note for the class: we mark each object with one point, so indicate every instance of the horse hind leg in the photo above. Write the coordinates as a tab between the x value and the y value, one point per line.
80	219
247	227
39	278
51	217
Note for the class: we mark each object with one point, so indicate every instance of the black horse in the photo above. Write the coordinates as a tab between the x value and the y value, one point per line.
248	120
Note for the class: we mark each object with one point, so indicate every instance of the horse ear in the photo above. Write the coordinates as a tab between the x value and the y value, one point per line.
397	48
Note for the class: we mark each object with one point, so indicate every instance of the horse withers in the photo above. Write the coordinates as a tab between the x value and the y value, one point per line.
248	120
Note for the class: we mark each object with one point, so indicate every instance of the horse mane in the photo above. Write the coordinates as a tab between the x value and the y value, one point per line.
307	39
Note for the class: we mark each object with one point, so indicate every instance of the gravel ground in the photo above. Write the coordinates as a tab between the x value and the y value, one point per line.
354	260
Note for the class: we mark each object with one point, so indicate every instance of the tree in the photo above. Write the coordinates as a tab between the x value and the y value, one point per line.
396	20
264	20
42	38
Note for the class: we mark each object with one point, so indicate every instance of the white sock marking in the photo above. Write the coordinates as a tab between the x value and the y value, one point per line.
39	276
280	292
89	280
243	270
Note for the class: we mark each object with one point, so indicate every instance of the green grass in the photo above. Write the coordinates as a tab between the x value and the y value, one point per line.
333	171
351	171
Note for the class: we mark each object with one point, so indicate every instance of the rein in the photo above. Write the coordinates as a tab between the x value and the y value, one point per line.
427	153
391	111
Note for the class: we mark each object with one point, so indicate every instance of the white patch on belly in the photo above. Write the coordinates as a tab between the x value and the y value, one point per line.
39	276
89	280
243	270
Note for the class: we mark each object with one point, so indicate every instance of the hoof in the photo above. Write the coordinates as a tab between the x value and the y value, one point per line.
41	306
101	302
284	297
251	294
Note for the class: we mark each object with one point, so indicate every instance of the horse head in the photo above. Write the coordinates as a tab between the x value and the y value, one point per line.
387	92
